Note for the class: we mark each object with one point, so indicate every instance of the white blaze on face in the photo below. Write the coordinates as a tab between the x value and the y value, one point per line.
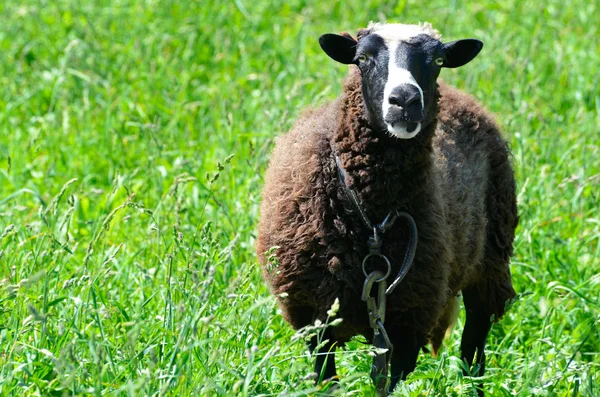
396	77
393	35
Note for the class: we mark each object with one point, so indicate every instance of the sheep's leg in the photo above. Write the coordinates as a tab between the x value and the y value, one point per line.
404	357
476	330
325	358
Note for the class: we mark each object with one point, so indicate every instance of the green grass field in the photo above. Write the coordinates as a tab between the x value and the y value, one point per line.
133	139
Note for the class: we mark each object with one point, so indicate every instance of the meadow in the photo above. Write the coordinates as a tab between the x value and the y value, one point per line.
133	139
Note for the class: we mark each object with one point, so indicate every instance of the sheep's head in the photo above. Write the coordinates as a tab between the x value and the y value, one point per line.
399	65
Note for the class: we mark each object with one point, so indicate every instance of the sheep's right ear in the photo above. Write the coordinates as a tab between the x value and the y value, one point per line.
341	48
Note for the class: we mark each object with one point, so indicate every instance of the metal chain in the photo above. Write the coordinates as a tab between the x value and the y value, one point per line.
376	311
376	306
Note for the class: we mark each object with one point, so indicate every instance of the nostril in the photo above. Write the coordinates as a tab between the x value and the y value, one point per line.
394	100
411	100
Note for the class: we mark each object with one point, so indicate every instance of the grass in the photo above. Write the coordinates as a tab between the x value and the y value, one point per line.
127	229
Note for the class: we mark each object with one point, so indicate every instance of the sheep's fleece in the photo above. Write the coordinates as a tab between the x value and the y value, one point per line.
454	178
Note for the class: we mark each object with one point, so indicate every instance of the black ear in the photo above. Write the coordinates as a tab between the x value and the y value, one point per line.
461	52
339	48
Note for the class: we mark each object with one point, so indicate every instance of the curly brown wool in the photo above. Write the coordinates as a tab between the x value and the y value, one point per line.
454	178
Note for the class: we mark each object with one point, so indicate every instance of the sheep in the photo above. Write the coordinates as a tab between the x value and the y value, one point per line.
405	141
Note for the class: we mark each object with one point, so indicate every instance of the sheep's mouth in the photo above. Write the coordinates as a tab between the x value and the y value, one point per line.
404	129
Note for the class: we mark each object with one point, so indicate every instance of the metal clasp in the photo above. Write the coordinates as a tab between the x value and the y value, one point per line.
376	310
375	306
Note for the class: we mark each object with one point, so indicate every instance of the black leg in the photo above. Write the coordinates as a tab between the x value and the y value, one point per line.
476	330
325	358
404	357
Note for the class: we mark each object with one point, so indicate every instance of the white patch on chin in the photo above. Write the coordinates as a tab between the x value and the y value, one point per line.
399	131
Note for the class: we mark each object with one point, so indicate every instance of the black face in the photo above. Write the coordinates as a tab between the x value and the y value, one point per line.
399	65
372	58
399	78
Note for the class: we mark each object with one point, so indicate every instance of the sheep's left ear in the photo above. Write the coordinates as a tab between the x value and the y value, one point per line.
461	52
341	48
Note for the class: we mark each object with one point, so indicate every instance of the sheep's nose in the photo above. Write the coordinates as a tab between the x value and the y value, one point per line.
405	96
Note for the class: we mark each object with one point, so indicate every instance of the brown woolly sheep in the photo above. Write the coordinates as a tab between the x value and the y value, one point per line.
406	142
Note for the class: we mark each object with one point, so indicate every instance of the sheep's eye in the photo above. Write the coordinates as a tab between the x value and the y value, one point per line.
439	61
362	58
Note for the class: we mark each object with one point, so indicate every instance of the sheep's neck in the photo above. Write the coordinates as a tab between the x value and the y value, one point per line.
386	173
